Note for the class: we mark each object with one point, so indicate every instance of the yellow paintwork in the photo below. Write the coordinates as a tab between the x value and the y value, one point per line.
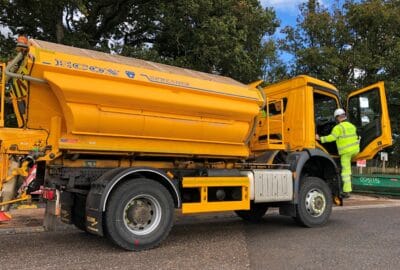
106	112
267	126
298	116
92	106
15	141
23	197
204	206
385	139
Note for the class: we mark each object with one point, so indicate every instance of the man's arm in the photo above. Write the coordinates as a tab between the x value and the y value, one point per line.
336	132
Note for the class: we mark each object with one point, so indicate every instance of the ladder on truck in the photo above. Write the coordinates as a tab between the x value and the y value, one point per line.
276	142
269	133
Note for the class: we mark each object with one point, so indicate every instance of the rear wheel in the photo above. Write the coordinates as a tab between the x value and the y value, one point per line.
315	203
255	214
139	214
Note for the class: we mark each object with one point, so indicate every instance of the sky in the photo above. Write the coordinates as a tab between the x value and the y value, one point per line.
287	12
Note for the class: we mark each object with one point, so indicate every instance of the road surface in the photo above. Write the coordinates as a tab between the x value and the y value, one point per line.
355	238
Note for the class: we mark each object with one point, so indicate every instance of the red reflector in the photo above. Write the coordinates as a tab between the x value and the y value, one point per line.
49	194
4	216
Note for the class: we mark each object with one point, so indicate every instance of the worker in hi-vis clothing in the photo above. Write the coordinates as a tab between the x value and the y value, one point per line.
348	145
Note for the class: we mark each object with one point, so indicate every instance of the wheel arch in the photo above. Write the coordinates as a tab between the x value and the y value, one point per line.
135	173
314	162
102	188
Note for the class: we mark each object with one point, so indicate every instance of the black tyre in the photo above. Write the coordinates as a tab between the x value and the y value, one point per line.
139	214
255	214
315	203
79	211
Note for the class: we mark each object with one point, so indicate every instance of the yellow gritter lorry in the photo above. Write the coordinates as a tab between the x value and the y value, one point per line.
118	144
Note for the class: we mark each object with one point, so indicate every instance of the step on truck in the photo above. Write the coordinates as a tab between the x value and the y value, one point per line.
120	144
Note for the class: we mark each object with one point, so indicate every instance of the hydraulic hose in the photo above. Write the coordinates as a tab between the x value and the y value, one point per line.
255	121
13	65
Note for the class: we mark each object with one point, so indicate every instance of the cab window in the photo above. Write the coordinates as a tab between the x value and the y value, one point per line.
274	108
365	112
324	107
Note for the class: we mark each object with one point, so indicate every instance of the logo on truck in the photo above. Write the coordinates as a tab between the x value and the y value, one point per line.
167	81
85	67
130	74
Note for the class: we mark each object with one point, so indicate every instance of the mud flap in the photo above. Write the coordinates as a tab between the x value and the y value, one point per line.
94	214
66	207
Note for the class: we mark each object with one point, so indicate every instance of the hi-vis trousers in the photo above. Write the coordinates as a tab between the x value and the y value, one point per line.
345	161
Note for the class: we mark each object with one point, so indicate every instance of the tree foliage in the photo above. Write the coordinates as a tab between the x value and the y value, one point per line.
321	44
225	37
350	45
222	37
377	39
82	23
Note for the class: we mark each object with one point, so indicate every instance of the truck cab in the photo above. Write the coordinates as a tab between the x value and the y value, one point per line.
306	108
299	108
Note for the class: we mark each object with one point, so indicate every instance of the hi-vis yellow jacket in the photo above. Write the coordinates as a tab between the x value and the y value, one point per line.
345	135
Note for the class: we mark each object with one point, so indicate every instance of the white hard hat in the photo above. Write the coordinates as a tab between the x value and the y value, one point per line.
338	112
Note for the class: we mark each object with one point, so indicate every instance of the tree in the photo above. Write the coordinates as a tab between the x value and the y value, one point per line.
81	23
229	37
322	44
375	24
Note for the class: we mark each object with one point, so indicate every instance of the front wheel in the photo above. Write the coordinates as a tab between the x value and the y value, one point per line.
315	203
139	215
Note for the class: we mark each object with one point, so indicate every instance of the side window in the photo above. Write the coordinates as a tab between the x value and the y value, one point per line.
365	112
324	107
365	108
275	107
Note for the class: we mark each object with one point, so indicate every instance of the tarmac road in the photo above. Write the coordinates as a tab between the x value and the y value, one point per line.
355	238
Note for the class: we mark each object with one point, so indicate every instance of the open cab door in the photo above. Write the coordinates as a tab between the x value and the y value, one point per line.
367	109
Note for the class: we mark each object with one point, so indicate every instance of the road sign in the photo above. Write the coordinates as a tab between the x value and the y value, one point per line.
361	163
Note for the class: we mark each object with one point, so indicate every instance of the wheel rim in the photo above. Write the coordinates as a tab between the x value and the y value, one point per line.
315	202
142	214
